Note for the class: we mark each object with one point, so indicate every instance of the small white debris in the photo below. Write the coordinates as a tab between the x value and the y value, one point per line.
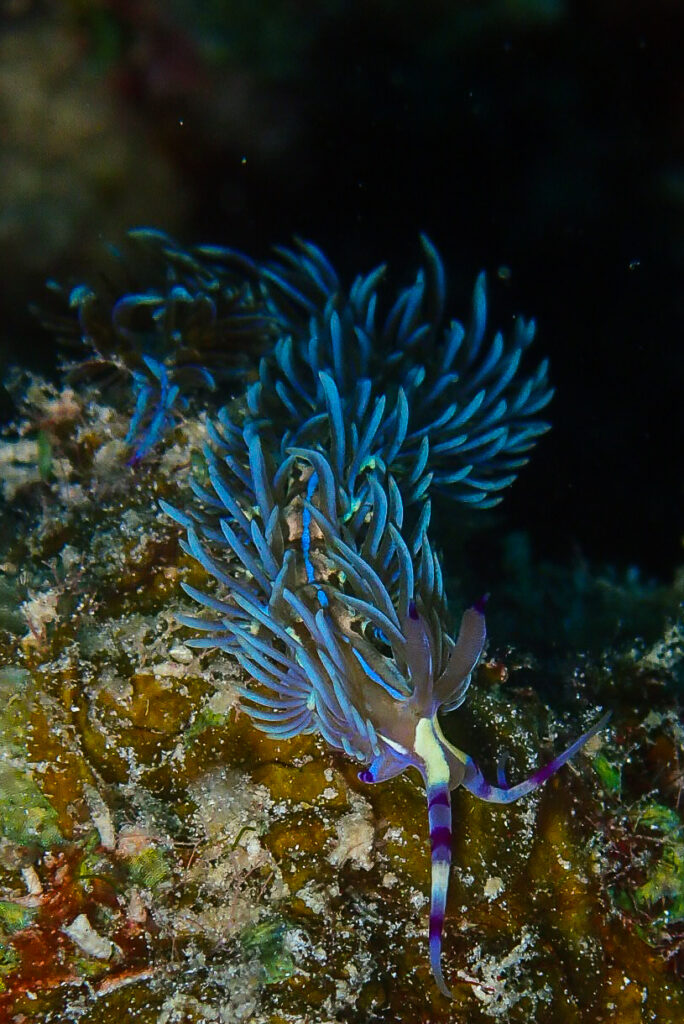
182	654
593	745
500	978
101	818
493	886
169	670
389	879
313	896
418	900
40	610
82	934
355	835
71	558
136	911
108	457
32	882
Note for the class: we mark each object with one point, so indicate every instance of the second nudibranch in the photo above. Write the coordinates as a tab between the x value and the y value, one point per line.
409	735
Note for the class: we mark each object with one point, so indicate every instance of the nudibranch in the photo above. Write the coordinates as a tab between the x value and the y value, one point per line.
414	739
334	604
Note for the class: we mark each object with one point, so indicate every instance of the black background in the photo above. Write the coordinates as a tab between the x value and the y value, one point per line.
542	141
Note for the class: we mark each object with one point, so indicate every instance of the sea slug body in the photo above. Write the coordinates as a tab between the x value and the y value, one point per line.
315	526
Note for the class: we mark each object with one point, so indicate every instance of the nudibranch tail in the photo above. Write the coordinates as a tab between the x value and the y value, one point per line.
435	769
439	818
475	782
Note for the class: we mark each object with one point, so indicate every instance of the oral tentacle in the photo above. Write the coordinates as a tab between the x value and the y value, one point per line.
418	654
454	681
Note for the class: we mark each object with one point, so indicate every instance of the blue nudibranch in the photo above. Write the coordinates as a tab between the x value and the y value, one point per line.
315	528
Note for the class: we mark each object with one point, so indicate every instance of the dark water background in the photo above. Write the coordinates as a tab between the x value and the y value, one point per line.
542	140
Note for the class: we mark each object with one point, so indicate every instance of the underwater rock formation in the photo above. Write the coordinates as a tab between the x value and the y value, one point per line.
161	856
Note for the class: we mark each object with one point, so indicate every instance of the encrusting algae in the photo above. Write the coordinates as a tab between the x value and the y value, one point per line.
163	860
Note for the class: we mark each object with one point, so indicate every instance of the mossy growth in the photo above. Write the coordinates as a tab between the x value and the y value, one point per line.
609	774
14	917
26	816
662	894
266	942
9	962
205	719
9	959
150	868
665	886
643	857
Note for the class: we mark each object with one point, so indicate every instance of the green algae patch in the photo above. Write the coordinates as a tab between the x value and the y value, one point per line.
9	959
14	917
26	816
9	962
15	708
665	885
266	942
609	774
205	719
664	819
149	868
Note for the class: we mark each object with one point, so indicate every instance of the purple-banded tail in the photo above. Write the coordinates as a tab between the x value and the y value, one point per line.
439	818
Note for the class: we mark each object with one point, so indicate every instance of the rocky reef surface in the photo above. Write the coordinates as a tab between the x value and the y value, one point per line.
162	861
